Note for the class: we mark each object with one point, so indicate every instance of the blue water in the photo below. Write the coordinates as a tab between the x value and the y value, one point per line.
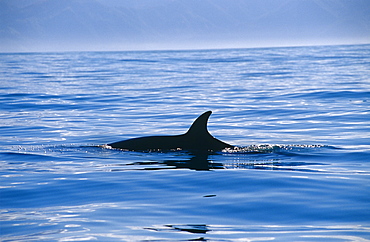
300	117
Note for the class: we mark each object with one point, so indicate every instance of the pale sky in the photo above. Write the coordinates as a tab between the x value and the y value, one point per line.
114	25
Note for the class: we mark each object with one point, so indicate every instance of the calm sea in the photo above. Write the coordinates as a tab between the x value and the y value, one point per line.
301	117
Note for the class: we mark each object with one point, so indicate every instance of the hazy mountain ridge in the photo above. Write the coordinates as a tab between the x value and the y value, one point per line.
126	24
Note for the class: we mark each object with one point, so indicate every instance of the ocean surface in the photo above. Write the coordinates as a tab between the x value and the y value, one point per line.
300	117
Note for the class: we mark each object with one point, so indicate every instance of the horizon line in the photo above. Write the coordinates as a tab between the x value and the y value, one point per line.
182	49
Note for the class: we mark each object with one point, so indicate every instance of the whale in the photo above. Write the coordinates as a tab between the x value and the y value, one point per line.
196	139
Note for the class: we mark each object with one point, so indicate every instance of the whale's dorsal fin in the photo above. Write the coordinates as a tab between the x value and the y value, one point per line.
199	126
197	138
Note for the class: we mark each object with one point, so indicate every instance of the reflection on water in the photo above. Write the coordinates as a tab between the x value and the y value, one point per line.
50	222
268	232
191	228
202	162
91	222
199	162
262	157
